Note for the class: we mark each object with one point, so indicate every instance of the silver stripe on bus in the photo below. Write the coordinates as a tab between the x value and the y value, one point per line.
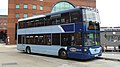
61	28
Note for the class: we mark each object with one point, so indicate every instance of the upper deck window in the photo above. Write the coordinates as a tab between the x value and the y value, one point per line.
93	26
75	16
91	15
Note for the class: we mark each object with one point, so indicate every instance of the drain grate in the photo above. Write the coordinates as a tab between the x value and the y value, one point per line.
5	64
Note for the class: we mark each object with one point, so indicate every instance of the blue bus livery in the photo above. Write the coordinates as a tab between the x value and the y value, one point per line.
73	33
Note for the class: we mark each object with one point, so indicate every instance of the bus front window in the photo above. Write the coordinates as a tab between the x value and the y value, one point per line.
91	15
91	39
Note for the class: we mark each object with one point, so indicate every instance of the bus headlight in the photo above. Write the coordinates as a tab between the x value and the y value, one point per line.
85	49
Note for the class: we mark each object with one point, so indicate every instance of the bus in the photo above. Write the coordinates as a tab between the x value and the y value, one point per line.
73	33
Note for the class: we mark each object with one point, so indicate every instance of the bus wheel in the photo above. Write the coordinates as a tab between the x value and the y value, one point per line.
63	54
28	50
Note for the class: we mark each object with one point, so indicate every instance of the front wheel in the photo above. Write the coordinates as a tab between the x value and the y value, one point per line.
63	54
28	50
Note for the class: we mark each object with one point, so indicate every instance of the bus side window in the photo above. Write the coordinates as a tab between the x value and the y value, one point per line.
62	20
47	39
19	39
26	25
75	16
53	21
21	25
55	39
47	21
78	39
36	22
31	39
39	22
65	18
36	39
66	39
27	39
41	40
31	23
58	21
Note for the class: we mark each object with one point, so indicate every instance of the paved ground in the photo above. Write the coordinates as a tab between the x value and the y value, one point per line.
111	56
105	55
10	57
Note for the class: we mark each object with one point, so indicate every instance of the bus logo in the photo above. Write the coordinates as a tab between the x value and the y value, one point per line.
72	49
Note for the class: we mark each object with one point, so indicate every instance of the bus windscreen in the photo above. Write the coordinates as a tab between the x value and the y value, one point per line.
91	39
93	26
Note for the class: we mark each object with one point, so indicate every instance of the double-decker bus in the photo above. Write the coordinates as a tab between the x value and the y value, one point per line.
73	33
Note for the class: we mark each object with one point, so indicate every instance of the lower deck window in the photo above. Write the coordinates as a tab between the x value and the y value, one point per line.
56	39
19	39
63	39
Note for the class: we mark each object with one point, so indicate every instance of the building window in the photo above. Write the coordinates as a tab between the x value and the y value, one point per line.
25	15
62	6
17	6
41	8
41	0
25	6
17	16
34	7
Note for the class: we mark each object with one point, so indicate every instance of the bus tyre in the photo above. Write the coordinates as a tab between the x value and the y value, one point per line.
28	50
63	54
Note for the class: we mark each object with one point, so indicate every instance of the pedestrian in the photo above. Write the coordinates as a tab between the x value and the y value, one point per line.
7	40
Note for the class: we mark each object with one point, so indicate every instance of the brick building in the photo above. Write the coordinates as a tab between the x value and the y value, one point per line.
3	27
26	8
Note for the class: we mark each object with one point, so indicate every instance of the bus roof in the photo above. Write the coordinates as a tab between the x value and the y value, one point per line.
64	11
29	18
35	17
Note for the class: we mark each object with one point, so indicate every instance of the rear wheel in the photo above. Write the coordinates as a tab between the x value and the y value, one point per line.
63	54
28	50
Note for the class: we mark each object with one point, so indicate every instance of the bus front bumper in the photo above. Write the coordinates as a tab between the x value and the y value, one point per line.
83	56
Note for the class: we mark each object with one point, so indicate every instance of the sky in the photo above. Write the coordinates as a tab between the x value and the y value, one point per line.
4	7
109	11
